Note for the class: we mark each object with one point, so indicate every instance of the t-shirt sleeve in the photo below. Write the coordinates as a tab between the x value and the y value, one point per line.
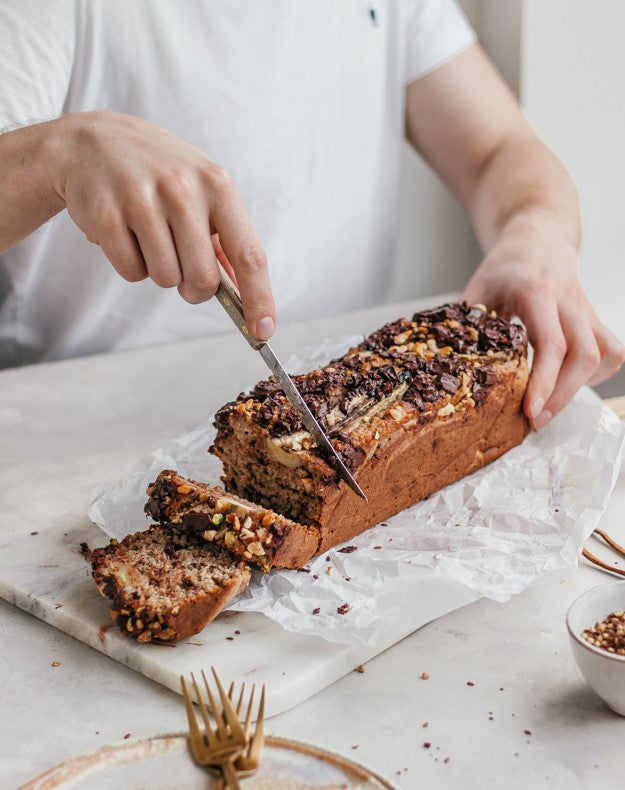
36	58
436	31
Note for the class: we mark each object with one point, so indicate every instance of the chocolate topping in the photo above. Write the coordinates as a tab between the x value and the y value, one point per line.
429	357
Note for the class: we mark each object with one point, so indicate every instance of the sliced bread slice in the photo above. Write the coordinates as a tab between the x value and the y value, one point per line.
249	531
166	585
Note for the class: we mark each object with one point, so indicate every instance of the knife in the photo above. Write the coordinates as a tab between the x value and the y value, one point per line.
230	300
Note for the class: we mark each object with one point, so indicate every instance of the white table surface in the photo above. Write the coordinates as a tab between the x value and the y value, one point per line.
94	418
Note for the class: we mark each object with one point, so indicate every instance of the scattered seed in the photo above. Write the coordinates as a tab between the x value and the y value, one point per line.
446	760
426	724
315	575
348	549
470	683
355	746
56	664
344	608
360	668
527	732
230	638
126	736
426	744
316	610
34	533
425	676
237	632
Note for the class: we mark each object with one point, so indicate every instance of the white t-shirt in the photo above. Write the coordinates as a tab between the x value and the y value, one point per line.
302	102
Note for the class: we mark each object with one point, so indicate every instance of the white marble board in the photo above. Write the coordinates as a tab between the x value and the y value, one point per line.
46	575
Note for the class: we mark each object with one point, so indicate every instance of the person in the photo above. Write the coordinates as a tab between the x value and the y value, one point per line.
175	135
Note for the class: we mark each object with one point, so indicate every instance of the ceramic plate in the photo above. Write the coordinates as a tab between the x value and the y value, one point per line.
165	763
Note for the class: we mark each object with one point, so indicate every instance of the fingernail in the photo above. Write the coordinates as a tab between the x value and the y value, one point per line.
265	328
537	407
542	419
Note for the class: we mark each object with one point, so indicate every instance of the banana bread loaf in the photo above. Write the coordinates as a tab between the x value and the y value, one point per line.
417	405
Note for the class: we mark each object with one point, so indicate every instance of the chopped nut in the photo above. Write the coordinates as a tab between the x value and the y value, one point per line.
425	676
343	608
56	664
255	548
217	519
230	539
397	413
209	535
446	410
267	519
184	489
360	668
247	522
609	635
146	636
402	337
480	306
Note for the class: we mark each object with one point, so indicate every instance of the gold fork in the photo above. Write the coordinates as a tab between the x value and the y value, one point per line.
248	762
219	745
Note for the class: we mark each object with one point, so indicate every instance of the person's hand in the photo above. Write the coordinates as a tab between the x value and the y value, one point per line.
160	208
531	272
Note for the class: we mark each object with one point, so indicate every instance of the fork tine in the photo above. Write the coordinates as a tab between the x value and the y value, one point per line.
248	716
219	721
230	696
194	730
233	721
258	739
240	702
210	735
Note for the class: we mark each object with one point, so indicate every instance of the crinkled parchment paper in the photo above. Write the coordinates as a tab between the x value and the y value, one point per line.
522	520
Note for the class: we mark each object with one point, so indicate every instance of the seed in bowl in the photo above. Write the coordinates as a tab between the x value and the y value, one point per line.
608	635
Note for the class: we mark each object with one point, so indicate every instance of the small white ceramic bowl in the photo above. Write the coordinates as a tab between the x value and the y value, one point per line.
604	672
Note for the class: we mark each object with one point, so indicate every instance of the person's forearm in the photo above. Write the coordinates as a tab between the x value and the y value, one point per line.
523	185
27	194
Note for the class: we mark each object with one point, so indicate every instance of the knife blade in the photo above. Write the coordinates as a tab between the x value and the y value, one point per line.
229	298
